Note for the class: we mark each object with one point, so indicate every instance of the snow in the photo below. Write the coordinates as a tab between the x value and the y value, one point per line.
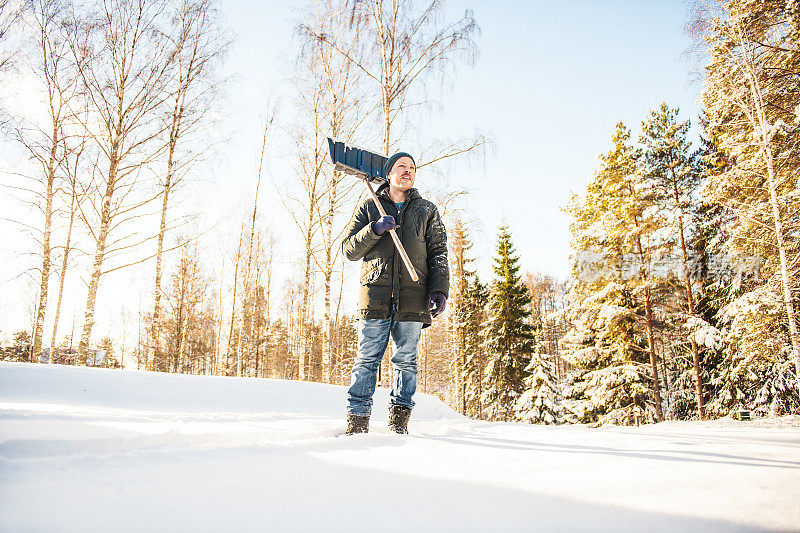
703	333
85	449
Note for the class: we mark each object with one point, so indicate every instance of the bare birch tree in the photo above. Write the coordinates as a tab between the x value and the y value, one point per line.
10	12
124	64
251	270
405	49
303	206
198	44
236	271
343	112
72	162
47	143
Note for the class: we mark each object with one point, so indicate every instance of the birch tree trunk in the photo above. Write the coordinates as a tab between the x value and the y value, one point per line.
182	327
327	326
217	364
251	282
302	370
156	330
123	65
97	263
45	268
233	302
64	263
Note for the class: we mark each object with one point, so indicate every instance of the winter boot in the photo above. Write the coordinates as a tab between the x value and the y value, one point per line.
357	424
398	419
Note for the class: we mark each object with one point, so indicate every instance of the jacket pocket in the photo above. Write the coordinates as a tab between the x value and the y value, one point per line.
374	300
414	300
372	272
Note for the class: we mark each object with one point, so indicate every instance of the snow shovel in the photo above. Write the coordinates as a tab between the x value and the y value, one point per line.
368	166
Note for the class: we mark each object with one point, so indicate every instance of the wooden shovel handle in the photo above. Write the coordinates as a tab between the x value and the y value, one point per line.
395	238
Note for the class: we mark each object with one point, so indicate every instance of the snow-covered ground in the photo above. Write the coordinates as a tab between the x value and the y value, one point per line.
87	450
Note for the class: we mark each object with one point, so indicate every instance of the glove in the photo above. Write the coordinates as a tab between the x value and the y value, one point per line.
437	304
384	223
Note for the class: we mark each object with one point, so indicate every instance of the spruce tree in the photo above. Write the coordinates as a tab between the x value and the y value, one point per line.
539	404
458	318
476	298
609	384
508	338
756	371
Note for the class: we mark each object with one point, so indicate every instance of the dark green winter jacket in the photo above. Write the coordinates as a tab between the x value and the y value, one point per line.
385	282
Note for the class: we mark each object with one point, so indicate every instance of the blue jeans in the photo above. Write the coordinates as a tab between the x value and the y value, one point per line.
373	337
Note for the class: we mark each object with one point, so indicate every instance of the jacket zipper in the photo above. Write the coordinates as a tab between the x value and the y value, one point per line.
395	257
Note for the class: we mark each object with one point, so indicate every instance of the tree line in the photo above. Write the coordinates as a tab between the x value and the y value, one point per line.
131	90
681	299
126	90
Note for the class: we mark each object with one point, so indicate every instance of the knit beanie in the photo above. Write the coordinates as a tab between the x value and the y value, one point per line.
392	160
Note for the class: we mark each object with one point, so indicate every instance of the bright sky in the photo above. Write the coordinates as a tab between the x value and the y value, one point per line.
551	81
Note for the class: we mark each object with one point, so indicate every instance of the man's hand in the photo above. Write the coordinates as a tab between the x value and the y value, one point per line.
384	223
437	304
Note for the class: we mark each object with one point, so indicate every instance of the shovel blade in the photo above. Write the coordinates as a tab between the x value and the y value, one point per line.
356	161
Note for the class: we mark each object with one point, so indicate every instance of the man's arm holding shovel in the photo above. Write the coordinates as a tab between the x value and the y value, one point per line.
360	236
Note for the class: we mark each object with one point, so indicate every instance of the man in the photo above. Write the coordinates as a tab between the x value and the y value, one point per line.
390	302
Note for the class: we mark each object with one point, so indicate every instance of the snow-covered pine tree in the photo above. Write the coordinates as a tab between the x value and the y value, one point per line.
610	383
508	338
539	404
619	223
709	222
617	231
669	162
756	371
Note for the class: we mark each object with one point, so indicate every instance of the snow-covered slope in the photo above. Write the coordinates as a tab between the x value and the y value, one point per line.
85	449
